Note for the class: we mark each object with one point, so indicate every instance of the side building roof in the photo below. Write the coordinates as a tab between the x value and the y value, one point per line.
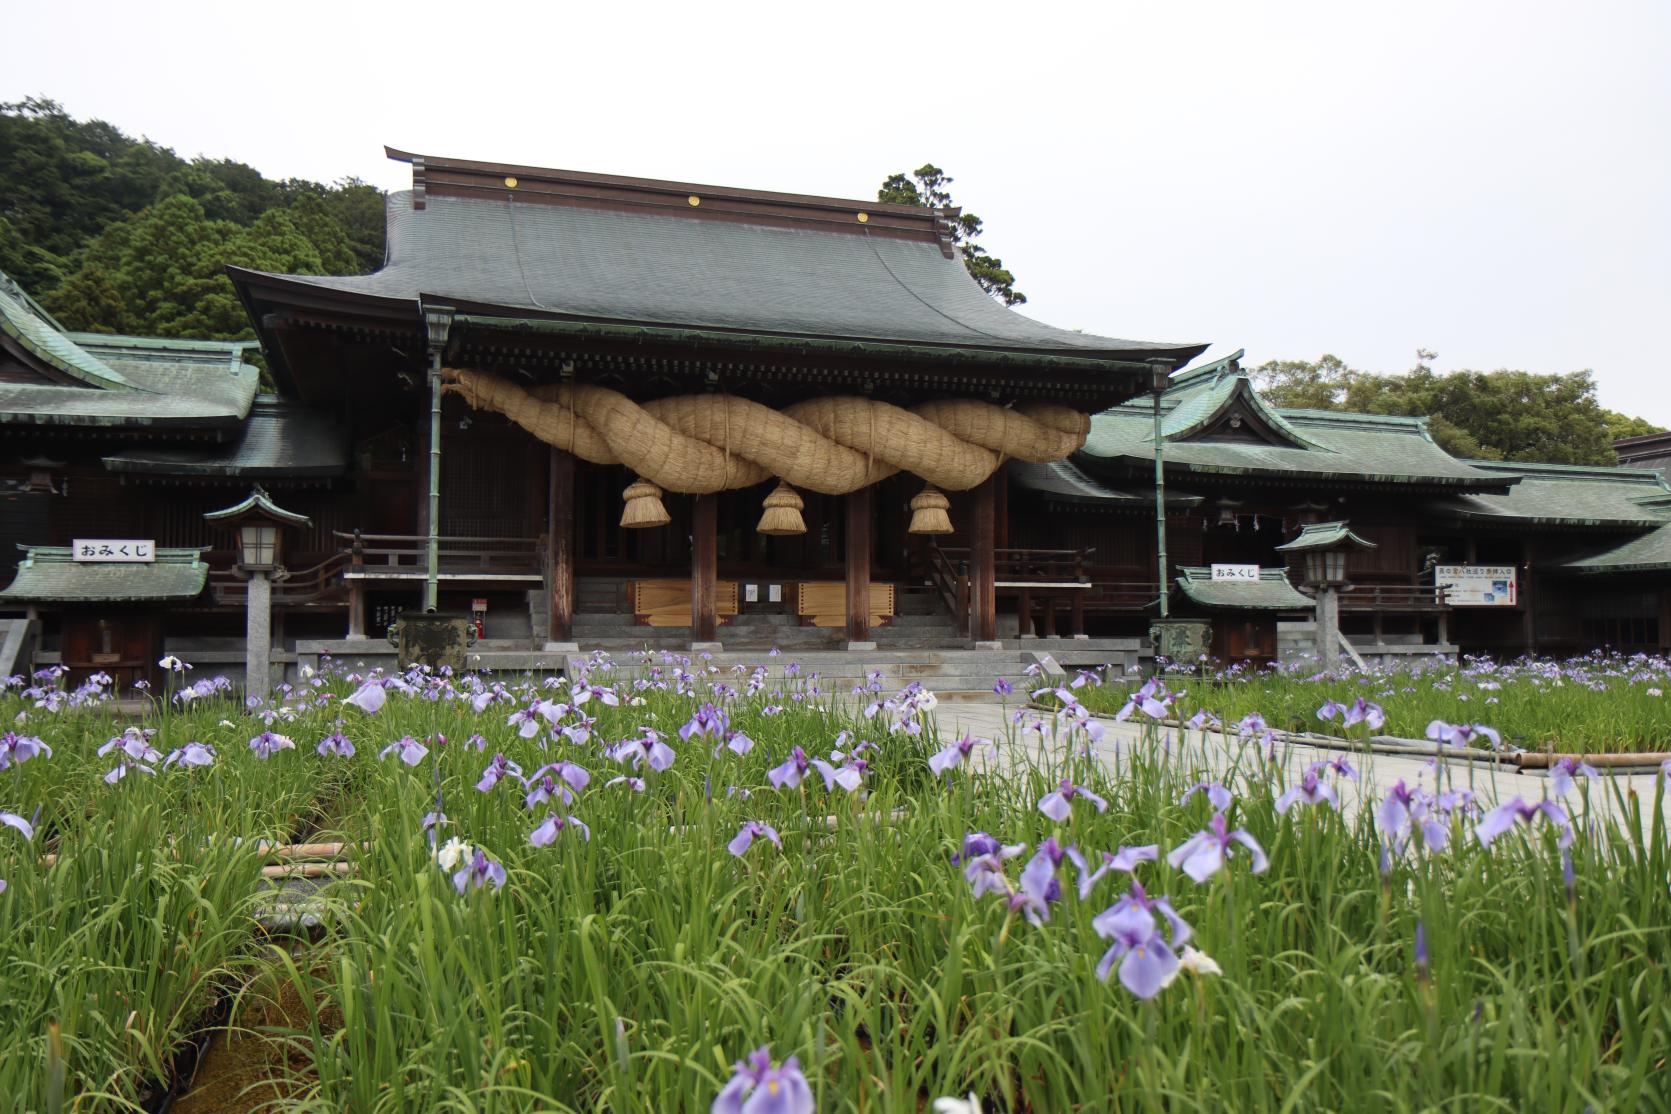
1565	495
51	574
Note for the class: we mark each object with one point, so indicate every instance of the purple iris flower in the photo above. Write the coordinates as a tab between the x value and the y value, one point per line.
1126	859
1330	711
983	859
336	743
480	871
1503	817
708	720
736	742
576	777
790	773
1217	795
1003	687
1338	764
1057	804
1205	852
369	697
543	835
759	1088
850	775
434	821
647	750
15	748
13	820
496	771
748	833
1395	809
636	784
1152	700
1202	720
1039	885
1462	734
1311	790
955	754
1252	726
193	753
1365	712
409	750
1148	961
1422	960
134	743
585	692
268	743
1560	774
527	721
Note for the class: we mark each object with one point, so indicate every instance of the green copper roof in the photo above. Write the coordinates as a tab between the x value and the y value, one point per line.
49	574
1649	553
280	440
1319	446
34	331
257	502
1324	535
119	381
1271	592
1064	482
1567	495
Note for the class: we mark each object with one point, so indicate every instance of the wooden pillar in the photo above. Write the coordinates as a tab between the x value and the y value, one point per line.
1077	614
983	570
1529	624
858	567
704	568
1047	623
1024	615
356	610
560	547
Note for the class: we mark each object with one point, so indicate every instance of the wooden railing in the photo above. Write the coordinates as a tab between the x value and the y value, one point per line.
1064	567
400	556
320	584
1393	598
951	580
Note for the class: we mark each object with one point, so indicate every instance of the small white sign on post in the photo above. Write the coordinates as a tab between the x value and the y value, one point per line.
1236	572
1476	585
142	551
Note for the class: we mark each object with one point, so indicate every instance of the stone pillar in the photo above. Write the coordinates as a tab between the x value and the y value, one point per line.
356	610
1328	626
559	633
858	570
258	637
704	573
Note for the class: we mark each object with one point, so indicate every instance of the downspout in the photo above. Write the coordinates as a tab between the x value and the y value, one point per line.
438	322
1160	376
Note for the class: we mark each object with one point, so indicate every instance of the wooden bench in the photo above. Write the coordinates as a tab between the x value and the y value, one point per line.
666	603
823	603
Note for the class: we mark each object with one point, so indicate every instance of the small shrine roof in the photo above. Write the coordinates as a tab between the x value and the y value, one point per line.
51	574
1271	592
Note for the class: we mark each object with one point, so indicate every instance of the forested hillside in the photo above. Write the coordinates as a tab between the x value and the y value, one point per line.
121	235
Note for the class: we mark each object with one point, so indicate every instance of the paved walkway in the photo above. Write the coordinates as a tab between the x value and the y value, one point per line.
1211	756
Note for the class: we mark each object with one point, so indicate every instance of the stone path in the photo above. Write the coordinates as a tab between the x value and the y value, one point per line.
1212	756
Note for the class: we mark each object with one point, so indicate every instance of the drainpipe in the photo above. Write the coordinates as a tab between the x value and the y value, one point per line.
1160	373
438	320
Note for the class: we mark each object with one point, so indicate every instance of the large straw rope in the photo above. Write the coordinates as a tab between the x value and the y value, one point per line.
712	442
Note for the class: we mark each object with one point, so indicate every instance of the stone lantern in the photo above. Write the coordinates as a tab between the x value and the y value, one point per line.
259	525
1324	546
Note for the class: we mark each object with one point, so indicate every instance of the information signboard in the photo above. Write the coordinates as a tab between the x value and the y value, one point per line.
1476	585
125	550
1236	572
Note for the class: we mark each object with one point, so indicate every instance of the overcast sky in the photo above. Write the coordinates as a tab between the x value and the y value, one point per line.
1488	180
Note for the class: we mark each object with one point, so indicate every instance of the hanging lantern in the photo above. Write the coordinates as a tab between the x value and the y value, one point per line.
928	512
644	507
783	512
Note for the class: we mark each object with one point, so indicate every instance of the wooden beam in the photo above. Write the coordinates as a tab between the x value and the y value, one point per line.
560	542
858	565
704	568
983	568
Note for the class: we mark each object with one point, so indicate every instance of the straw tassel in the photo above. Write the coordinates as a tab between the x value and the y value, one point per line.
644	507
783	512
928	512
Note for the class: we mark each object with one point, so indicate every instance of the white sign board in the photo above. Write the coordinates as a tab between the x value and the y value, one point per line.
1476	585
141	551
1236	572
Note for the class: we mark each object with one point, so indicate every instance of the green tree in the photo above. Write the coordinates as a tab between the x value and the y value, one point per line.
1491	415
927	186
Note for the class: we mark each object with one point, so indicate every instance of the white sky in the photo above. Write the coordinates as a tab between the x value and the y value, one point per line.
1490	180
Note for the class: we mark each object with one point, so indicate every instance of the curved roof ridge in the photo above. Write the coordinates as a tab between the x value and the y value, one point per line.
34	330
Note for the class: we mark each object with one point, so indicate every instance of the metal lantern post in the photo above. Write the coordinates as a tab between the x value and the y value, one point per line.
438	322
258	523
1324	546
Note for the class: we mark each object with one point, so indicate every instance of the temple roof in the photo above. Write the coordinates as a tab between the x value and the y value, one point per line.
50	574
1324	535
1566	495
1650	552
91	379
530	242
1214	422
1271	592
279	441
1065	482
